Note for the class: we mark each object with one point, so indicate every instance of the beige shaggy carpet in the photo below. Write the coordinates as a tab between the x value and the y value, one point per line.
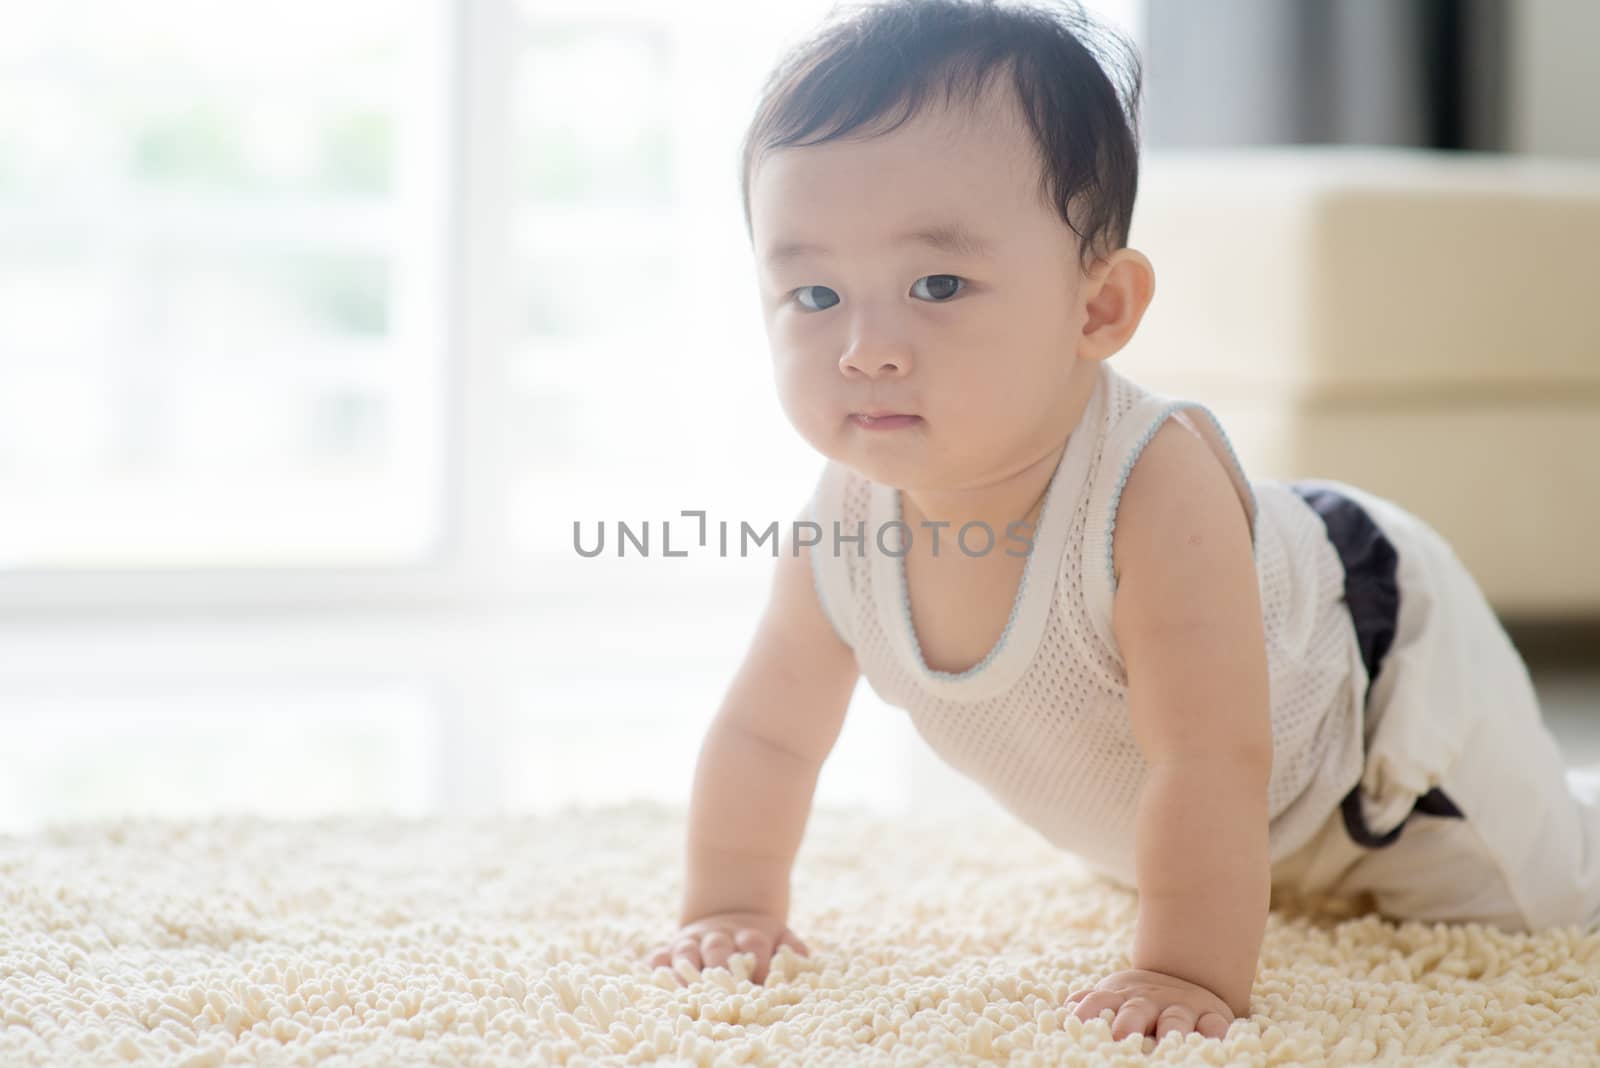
523	940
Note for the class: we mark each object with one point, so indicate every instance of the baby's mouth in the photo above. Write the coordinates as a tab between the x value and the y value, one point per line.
884	421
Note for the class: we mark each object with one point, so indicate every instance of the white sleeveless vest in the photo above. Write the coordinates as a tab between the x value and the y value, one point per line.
1041	723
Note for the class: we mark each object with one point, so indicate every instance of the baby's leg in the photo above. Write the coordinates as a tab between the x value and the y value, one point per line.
1514	839
1442	870
1439	872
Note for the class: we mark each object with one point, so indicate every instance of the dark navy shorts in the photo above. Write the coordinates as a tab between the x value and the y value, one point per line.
1373	598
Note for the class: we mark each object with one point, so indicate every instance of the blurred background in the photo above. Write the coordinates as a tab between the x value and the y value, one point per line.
321	325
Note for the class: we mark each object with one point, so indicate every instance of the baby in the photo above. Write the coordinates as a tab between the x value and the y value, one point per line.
1209	688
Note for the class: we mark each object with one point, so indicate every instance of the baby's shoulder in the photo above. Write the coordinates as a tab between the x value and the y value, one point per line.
1178	482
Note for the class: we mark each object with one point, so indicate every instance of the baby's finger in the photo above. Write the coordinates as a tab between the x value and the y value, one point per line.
687	947
754	942
789	938
1134	1018
1213	1025
686	957
715	947
1095	1002
1179	1018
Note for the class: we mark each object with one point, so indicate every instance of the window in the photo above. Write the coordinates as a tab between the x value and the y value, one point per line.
641	383
379	298
217	254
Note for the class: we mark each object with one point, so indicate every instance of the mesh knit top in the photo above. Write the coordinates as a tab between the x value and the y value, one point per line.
1041	722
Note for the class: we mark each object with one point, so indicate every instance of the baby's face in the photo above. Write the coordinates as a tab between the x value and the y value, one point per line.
980	343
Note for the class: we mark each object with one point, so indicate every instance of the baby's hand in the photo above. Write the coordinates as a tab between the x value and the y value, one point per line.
709	941
1145	999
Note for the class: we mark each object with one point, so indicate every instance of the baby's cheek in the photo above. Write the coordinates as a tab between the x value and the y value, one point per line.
809	410
986	421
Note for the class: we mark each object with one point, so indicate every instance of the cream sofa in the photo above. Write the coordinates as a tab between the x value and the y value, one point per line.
1425	325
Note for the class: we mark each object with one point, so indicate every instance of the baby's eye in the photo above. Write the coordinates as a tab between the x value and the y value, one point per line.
949	285
825	289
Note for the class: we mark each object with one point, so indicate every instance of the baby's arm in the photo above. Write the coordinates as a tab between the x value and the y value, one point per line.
1187	620
759	762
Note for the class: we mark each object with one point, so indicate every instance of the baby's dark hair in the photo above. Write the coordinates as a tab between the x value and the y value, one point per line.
867	59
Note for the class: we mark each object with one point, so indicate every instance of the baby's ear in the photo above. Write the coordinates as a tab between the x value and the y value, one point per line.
1114	294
